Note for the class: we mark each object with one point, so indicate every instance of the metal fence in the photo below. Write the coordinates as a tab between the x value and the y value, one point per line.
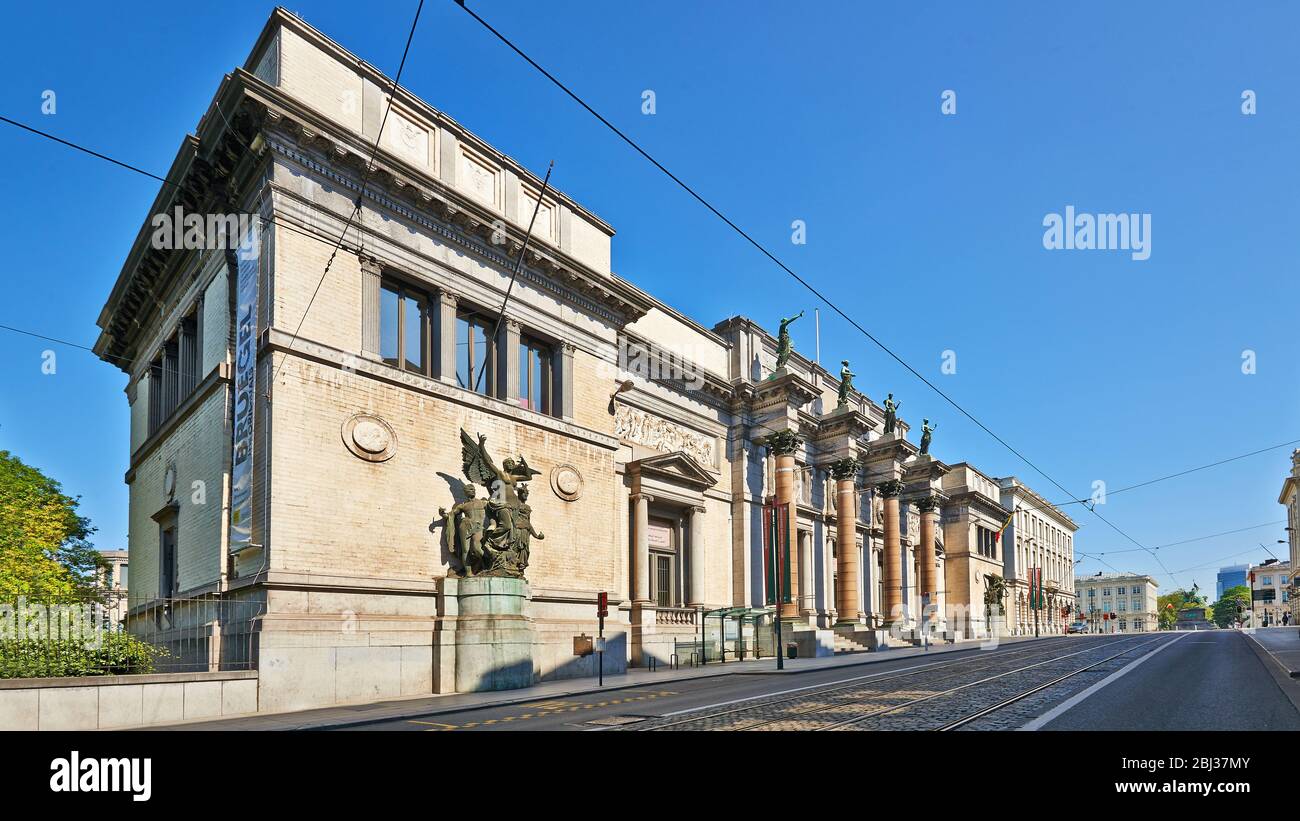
111	633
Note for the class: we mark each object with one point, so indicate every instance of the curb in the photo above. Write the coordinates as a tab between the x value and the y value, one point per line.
523	699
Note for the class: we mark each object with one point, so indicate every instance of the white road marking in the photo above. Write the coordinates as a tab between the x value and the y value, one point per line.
836	682
1078	697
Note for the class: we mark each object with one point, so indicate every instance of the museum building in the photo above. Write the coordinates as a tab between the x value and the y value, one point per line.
308	415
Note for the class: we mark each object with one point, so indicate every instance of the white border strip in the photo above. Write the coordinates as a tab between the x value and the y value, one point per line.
1071	702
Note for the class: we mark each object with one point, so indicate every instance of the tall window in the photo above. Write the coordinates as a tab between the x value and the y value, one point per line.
404	328
174	372
663	580
474	366
167	564
534	376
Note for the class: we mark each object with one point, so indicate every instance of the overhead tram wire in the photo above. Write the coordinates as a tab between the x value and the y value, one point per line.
148	174
765	252
1198	538
341	241
365	181
320	239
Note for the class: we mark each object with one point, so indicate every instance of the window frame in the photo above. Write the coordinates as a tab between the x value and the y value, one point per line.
543	353
424	300
471	319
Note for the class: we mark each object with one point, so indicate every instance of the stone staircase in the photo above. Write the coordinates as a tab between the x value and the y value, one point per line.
844	644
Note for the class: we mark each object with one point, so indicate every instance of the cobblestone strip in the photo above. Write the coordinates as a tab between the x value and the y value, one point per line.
946	707
827	705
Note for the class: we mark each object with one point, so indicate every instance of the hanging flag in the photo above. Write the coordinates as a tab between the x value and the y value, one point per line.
776	556
997	537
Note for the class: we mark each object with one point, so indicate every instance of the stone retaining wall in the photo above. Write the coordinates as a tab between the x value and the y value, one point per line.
120	702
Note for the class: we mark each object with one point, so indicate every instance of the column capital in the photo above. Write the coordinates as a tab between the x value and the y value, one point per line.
693	509
890	489
846	468
511	324
448	298
928	504
641	497
784	442
370	265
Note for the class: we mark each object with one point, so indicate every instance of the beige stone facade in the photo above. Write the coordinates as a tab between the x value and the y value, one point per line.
1270	593
658	439
974	553
1040	536
1290	498
1131	597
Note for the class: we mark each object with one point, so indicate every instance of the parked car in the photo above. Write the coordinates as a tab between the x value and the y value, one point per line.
1077	627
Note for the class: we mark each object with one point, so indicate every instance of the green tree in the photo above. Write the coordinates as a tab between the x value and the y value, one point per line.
1232	606
45	554
1168	606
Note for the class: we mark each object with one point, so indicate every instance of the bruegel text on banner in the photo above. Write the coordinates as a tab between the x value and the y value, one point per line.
241	471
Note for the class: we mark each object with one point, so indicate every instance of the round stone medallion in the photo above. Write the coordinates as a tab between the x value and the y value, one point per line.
369	437
566	481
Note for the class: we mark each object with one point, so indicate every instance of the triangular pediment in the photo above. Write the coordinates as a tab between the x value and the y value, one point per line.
678	466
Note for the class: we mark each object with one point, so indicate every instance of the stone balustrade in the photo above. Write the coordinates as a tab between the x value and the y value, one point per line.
675	615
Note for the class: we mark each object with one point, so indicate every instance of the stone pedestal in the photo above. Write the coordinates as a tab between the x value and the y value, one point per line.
494	636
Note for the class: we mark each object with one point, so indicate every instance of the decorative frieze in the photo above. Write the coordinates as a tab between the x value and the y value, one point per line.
646	429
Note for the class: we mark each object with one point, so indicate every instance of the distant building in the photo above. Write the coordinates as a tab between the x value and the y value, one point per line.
1270	593
1130	596
114	580
1290	496
1230	577
1040	536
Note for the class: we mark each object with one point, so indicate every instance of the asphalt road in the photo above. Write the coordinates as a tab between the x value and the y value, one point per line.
593	711
1207	680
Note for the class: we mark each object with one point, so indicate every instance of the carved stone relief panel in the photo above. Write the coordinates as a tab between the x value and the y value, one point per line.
653	432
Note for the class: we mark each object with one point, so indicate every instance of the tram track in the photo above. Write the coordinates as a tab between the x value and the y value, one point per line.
1019	695
825	699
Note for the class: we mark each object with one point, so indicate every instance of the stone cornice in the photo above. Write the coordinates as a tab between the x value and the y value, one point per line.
715	386
282	18
211	172
212	169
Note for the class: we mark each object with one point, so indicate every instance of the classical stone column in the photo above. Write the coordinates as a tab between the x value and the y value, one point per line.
562	378
892	606
807	593
845	472
444	318
698	576
783	445
507	369
370	277
641	549
928	581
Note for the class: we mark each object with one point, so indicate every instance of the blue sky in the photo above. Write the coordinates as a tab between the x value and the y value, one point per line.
926	228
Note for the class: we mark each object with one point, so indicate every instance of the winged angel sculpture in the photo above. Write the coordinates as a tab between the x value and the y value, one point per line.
492	536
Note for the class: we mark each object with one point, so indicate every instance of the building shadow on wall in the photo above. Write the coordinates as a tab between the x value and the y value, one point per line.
440	523
513	675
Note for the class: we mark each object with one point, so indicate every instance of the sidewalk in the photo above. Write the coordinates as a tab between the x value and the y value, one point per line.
1283	644
424	705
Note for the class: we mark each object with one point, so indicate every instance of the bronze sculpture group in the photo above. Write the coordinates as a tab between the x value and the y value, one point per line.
492	536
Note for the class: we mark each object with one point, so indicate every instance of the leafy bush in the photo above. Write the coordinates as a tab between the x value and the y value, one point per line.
115	654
